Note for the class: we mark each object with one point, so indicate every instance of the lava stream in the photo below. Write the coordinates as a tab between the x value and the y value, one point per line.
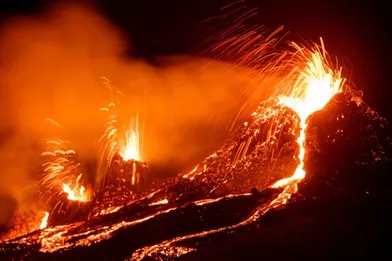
65	236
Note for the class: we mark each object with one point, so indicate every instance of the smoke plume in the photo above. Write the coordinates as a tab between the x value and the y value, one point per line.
52	66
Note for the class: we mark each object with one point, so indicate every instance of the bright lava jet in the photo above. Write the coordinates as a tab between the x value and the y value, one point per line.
315	85
122	152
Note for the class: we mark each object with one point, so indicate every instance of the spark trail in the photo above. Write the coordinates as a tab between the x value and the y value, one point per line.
61	172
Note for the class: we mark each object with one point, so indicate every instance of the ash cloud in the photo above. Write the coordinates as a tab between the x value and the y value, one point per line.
51	65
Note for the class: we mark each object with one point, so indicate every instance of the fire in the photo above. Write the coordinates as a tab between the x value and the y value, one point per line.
44	222
316	84
77	194
130	148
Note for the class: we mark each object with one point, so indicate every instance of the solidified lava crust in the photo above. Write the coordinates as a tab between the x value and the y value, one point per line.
346	143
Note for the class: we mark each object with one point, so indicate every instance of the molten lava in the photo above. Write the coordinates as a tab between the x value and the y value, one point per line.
316	84
160	202
44	222
77	194
121	146
130	148
120	139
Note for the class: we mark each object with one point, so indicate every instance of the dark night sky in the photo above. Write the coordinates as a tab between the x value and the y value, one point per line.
356	32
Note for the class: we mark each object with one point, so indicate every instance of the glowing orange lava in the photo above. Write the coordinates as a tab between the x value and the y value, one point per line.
316	84
76	194
130	148
160	202
44	222
119	138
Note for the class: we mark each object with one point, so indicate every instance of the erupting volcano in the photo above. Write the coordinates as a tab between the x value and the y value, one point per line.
296	152
122	149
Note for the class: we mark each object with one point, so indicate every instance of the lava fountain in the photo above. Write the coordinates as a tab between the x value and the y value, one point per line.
315	85
130	149
122	148
61	173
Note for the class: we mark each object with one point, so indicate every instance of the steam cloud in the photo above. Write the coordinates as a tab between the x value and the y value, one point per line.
51	65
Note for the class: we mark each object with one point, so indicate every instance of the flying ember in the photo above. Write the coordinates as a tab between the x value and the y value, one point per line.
61	172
